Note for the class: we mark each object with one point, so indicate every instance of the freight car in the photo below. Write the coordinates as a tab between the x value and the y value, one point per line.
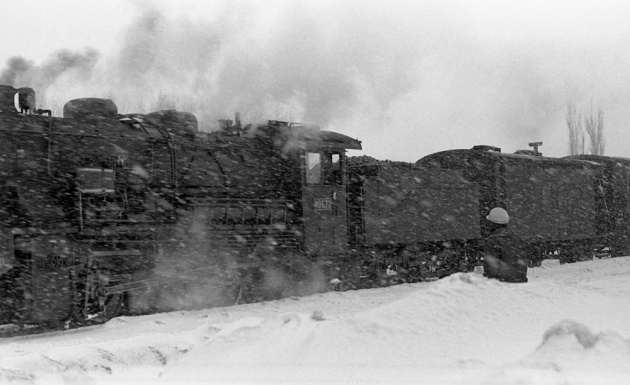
411	222
613	200
555	204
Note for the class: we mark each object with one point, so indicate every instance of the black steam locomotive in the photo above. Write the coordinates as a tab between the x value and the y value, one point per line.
102	212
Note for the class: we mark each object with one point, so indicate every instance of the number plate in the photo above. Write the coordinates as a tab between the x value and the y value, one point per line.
322	204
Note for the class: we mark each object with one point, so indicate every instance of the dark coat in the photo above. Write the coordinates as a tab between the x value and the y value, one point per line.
505	256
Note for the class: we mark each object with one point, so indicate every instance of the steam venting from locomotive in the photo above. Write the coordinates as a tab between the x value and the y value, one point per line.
221	70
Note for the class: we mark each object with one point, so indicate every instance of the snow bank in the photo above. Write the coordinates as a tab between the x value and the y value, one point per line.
568	325
570	353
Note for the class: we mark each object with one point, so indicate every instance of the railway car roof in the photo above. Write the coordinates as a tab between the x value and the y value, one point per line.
99	117
367	167
311	138
462	154
599	159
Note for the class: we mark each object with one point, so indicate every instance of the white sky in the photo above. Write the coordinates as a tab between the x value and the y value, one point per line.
406	77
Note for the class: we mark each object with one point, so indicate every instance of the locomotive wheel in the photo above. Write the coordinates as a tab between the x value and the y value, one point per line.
111	307
93	303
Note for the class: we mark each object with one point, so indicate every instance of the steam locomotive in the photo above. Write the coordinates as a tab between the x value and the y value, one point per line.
102	212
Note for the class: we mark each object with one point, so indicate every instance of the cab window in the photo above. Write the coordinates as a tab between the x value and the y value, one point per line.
331	169
323	168
313	168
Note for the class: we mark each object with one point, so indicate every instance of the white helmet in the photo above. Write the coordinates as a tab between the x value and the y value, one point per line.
498	215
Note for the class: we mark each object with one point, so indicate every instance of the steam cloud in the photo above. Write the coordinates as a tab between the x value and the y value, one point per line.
285	66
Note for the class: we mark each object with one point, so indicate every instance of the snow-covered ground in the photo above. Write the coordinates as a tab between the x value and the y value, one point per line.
569	325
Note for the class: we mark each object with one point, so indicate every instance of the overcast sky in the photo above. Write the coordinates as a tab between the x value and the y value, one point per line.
408	78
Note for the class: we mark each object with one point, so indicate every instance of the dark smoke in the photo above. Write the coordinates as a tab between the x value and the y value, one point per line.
64	61
16	70
77	66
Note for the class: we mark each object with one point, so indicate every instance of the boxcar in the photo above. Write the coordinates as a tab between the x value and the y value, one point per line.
552	202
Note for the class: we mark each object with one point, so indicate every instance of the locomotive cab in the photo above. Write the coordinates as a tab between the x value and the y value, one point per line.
325	192
324	202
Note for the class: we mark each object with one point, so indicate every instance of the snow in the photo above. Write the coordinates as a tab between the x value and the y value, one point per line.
570	324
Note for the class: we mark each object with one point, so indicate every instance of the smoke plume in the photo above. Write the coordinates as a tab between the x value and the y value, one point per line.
284	64
61	69
16	70
20	71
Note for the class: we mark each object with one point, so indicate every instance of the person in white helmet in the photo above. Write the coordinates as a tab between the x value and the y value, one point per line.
505	255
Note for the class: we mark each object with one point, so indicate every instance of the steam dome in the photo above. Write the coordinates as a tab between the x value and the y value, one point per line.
90	109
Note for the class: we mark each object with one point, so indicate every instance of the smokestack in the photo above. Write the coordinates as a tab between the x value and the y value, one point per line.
26	100
237	120
7	98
